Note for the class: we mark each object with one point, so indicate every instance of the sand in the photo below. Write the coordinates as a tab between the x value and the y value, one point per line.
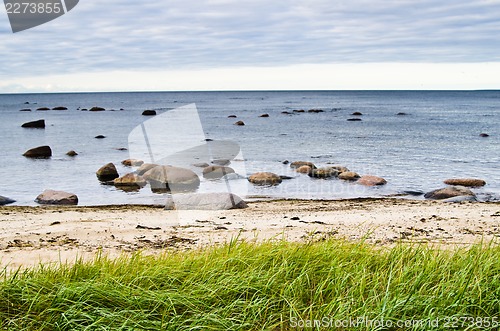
34	235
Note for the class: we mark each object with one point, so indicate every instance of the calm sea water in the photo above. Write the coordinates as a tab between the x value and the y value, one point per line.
437	139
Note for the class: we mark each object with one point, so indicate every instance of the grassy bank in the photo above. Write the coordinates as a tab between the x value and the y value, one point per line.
268	286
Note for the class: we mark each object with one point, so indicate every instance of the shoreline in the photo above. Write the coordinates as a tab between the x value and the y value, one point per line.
52	234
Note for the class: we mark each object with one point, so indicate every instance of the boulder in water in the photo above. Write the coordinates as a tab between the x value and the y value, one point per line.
107	172
39	124
51	197
40	152
264	178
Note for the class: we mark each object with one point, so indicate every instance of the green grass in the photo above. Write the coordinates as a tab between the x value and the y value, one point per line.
269	286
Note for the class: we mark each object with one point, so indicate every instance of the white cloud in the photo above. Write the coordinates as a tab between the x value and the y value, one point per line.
121	35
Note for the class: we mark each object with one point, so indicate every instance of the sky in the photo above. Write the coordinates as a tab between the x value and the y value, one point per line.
124	45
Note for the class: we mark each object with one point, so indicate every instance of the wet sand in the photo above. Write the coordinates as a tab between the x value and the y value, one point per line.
34	235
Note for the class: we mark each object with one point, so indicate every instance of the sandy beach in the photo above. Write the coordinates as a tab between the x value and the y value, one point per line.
33	235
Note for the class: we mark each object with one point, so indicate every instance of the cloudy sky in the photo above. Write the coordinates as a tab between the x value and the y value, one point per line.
282	44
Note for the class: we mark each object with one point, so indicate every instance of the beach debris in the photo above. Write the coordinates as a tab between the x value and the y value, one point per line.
264	178
220	227
205	201
97	109
52	197
39	124
143	227
349	175
107	172
298	164
130	180
468	182
72	153
171	179
216	172
132	162
60	108
448	192
239	123
5	201
369	180
54	223
326	172
295	218
40	152
149	113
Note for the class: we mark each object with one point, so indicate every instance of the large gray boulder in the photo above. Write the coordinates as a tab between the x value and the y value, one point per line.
172	179
5	200
40	152
51	197
216	172
448	192
205	201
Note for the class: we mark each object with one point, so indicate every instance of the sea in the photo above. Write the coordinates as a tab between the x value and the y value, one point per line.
413	139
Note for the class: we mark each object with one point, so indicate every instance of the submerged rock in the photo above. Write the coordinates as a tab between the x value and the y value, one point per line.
298	164
326	172
130	180
51	197
448	192
5	201
371	181
264	178
40	152
205	201
305	169
71	153
264	115
349	175
149	113
60	108
132	162
239	123
97	109
469	182
216	172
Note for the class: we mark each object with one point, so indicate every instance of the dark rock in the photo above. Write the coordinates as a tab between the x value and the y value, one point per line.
340	168
5	201
201	165
149	113
285	162
39	152
484	135
107	172
97	109
264	178
132	163
354	119
286	113
100	137
448	192
299	111
205	201
414	193
72	153
232	116
25	109
216	172
326	172
349	175
401	114
371	181
51	197
84	109
315	111
357	113
264	115
60	108
172	179
240	123
221	162
286	177
298	164
43	108
40	124
121	149
469	182
27	103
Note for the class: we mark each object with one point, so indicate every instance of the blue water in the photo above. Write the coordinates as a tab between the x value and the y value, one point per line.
437	139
